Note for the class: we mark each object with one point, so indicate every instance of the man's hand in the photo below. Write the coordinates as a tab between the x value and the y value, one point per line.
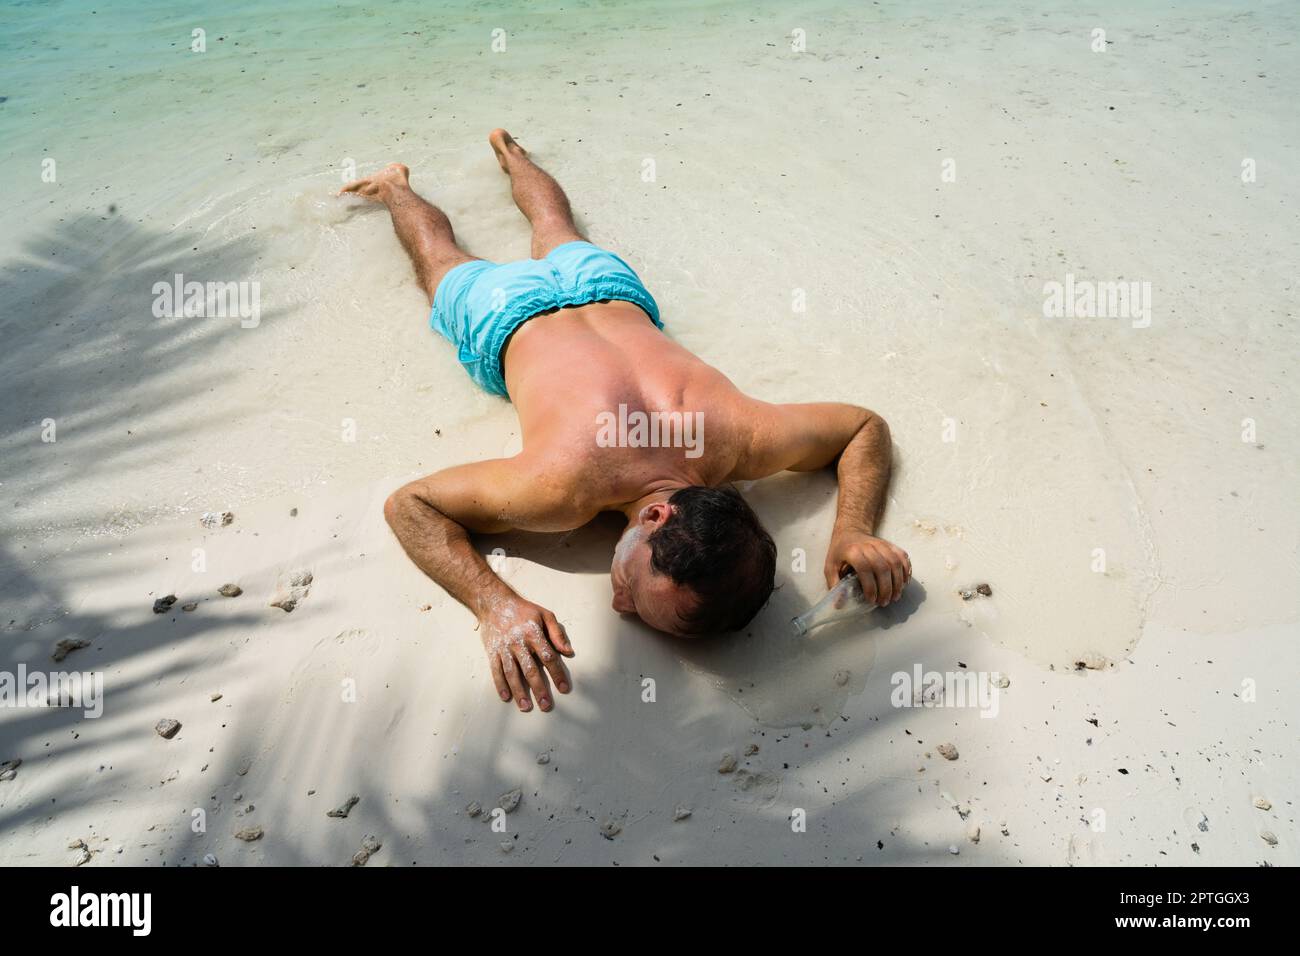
808	437
432	518
524	643
883	568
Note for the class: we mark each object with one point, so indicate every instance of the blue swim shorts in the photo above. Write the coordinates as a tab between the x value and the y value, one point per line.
478	304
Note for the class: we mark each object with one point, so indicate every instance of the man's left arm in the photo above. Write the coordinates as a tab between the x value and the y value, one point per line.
807	437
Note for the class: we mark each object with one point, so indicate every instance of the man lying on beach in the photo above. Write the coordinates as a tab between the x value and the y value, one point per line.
573	338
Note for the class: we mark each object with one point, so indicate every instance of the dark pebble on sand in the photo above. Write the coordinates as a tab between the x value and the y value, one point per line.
66	647
342	812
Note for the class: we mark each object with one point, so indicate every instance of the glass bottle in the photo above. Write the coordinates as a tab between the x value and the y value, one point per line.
843	601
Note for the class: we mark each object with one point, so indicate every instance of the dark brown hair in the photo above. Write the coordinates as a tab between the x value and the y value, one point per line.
714	544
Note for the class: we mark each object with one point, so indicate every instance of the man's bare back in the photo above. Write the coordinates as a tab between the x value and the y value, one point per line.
693	556
566	369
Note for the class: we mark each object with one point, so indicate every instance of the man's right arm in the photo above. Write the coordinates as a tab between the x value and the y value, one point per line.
432	518
806	437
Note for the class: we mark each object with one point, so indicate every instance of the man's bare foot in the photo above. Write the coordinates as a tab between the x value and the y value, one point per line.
504	144
375	187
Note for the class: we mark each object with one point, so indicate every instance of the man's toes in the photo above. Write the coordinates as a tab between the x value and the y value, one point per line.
355	186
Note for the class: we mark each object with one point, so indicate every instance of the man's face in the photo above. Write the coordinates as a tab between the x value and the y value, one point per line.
638	588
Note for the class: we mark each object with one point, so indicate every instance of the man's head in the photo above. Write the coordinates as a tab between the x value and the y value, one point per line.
698	563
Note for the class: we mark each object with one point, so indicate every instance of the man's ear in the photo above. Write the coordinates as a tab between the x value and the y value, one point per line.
656	514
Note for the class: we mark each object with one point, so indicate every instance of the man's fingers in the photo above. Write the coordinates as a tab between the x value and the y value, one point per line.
873	565
552	661
867	578
559	636
498	678
535	676
516	681
560	674
907	561
899	580
837	568
883	568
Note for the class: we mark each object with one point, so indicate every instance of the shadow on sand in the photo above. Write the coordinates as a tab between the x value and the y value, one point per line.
77	319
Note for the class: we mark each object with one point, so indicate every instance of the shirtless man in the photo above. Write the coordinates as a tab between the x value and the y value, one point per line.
570	336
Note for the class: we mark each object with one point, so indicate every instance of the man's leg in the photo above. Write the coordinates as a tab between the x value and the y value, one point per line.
425	232
538	196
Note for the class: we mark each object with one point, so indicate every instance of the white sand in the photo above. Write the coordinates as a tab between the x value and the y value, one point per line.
775	172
